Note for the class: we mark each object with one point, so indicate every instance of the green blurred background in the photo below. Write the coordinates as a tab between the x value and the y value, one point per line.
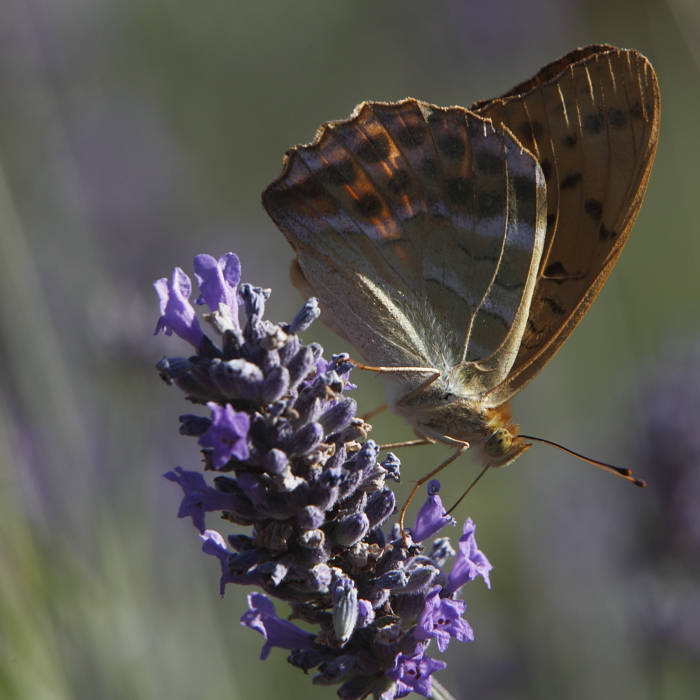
136	134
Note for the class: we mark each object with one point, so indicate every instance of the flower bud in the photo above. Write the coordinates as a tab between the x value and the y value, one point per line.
300	366
344	597
305	316
237	378
275	384
419	580
194	426
351	530
311	518
379	507
305	440
338	417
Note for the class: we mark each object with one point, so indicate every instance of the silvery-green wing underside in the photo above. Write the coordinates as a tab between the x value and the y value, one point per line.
420	229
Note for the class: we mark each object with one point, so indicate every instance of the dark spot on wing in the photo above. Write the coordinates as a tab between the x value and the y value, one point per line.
525	197
605	233
375	149
341	173
531	130
311	188
571	180
436	118
594	208
451	146
554	307
534	330
594	123
410	137
556	271
570	140
399	182
460	190
636	111
489	204
489	163
617	117
546	168
369	206
429	169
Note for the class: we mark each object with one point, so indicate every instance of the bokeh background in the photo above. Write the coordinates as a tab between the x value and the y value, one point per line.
136	134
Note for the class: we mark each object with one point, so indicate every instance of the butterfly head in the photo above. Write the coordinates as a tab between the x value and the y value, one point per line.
502	447
502	443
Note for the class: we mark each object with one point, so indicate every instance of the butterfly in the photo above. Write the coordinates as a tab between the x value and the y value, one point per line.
457	249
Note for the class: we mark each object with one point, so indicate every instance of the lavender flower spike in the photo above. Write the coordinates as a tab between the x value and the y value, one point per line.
293	466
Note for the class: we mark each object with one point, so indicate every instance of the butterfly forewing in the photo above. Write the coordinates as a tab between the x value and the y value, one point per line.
421	230
592	121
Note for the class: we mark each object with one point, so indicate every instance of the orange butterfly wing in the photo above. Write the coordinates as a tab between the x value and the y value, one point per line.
591	119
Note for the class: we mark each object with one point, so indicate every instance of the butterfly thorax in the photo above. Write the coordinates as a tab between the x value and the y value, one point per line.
440	415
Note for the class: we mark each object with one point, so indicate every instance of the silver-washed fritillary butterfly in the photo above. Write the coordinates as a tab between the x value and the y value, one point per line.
467	244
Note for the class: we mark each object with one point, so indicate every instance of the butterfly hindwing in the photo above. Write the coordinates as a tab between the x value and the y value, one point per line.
420	229
592	120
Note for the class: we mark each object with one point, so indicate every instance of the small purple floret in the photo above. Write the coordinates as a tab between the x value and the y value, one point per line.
215	545
470	562
261	616
432	516
199	497
226	435
176	312
441	619
412	674
218	281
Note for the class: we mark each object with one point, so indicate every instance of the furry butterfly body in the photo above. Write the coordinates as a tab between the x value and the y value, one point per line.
465	245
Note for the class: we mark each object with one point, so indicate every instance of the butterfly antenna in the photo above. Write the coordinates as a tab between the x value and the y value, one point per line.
471	486
624	473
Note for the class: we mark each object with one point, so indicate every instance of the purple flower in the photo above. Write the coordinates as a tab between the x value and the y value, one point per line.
226	435
261	616
199	497
215	545
432	516
470	562
218	280
441	619
412	675
301	473
176	312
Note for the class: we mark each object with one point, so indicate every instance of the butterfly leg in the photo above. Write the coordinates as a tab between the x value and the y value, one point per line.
407	443
371	414
434	374
463	447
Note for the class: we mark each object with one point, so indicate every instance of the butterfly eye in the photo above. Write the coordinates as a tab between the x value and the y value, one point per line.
499	443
